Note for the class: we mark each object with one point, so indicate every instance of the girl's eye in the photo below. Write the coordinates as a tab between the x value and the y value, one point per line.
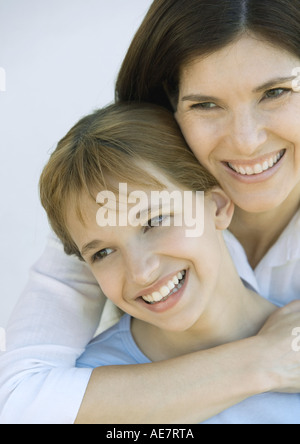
102	254
156	222
204	106
276	93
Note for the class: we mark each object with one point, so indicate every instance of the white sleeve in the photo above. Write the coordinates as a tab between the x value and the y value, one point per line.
56	316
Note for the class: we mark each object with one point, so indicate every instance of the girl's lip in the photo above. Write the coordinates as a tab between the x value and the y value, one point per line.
169	302
157	286
255	178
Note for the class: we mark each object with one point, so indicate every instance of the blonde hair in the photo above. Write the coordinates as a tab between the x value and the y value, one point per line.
113	143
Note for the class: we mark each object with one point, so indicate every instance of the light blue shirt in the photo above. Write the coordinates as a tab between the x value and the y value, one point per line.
116	346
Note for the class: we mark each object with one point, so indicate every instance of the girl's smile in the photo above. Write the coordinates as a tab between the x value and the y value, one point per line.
165	296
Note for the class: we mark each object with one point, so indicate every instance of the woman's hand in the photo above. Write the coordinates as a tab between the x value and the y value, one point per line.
281	348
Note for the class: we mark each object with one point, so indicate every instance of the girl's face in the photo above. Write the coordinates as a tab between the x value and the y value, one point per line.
154	272
239	111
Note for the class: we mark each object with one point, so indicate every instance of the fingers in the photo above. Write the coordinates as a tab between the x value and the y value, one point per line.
292	307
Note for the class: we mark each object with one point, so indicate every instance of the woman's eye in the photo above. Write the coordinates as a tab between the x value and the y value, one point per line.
204	106
102	254
276	93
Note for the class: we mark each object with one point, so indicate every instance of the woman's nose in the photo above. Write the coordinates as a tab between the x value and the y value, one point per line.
247	132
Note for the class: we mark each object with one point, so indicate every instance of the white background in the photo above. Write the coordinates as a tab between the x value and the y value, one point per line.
61	59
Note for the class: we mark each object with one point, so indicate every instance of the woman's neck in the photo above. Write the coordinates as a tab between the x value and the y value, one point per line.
234	313
258	232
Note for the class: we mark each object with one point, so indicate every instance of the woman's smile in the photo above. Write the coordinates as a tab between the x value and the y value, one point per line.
256	171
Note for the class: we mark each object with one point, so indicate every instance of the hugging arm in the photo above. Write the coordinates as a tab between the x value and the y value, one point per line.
57	316
195	387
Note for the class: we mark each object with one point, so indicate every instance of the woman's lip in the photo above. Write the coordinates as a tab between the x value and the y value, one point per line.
255	178
170	302
258	160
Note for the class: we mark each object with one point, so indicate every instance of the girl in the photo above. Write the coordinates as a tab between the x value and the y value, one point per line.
181	293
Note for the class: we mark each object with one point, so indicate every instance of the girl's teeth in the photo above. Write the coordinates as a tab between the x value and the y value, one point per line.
164	291
175	280
265	166
171	285
156	296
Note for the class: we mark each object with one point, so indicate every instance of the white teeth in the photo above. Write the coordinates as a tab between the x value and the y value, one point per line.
259	167
172	286
156	296
265	166
175	280
164	291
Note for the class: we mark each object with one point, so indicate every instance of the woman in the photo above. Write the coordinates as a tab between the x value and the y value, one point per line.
158	68
180	289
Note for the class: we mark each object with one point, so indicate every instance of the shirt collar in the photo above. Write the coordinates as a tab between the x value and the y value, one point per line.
286	249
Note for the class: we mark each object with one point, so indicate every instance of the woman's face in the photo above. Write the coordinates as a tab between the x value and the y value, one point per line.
239	111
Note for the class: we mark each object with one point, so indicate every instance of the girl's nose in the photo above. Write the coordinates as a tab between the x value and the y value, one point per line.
142	266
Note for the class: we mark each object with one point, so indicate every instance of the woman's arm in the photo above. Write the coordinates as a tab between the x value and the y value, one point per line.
195	387
188	389
57	316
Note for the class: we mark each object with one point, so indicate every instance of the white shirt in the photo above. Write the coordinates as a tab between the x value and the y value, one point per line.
58	314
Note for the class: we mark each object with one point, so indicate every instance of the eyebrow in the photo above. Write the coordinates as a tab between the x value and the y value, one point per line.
146	212
93	245
199	98
273	83
97	243
268	85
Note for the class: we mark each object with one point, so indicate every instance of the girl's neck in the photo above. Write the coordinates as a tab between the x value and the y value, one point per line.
234	313
258	232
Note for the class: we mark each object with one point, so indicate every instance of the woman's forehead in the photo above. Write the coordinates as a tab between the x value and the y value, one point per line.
247	57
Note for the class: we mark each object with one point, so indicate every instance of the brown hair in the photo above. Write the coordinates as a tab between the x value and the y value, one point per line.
114	142
175	31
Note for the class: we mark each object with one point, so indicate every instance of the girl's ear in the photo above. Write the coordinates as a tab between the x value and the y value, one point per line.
224	208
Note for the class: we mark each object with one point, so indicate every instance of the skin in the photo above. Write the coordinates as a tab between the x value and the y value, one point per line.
231	112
